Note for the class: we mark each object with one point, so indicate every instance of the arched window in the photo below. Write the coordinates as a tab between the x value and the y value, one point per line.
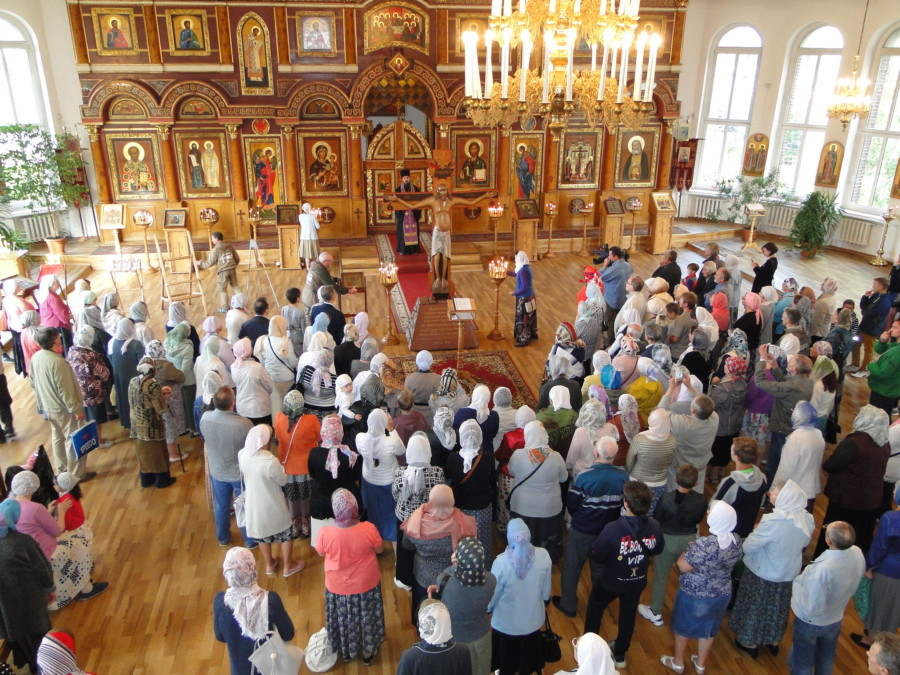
731	85
813	74
21	82
880	132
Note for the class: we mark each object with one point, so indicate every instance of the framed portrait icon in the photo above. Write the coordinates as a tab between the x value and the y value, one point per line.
188	33
636	157
473	154
203	164
287	214
613	206
114	31
316	34
175	218
323	164
527	209
135	165
112	216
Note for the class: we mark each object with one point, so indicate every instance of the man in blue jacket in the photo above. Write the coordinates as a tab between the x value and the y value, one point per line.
614	276
594	500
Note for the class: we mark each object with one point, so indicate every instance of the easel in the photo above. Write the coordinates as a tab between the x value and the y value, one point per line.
127	266
193	278
255	264
460	310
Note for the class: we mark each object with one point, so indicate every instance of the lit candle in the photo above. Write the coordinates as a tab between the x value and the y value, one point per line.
593	56
552	8
577	7
622	6
504	70
635	7
602	7
638	64
507	7
626	44
614	61
495	8
545	94
488	66
655	41
603	72
526	60
570	65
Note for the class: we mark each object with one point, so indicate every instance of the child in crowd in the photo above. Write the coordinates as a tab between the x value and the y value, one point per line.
344	400
691	277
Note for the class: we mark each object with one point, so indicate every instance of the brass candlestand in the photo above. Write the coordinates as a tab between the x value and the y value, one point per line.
209	217
586	211
878	261
632	205
144	219
497	269
255	218
750	243
550	210
387	274
495	213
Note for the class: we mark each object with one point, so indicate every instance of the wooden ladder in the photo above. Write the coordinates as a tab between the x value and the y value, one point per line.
186	289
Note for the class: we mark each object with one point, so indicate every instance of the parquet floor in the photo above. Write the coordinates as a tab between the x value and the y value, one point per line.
158	549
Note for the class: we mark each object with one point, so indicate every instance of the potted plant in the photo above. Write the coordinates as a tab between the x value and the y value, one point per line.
42	171
742	190
12	246
815	222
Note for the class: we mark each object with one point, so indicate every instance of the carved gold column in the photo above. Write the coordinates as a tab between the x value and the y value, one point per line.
101	170
173	192
238	180
443	137
290	163
608	175
356	168
665	160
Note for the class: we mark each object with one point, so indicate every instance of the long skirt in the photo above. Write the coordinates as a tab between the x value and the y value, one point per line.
756	426
545	532
152	456
72	564
309	249
18	354
696	617
279	391
355	623
174	416
297	492
522	654
480	652
504	487
760	614
884	613
525	329
380	505
484	520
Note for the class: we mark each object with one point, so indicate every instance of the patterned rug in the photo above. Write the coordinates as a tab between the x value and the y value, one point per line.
495	369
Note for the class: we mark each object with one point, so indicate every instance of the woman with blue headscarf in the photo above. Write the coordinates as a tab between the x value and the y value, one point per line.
518	605
319	325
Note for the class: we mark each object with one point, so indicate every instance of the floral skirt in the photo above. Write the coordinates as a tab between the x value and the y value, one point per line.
525	329
761	609
174	416
280	537
504	487
756	426
355	623
72	564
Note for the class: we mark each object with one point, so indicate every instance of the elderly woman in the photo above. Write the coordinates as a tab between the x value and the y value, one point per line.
210	360
94	379
276	354
368	350
317	384
437	653
125	351
560	413
319	325
54	312
518	606
379	451
244	613
651	454
559	374
148	402
110	311
569	346
266	512
768	298
696	358
348	351
626	361
593	656
294	313
309	236
506	414
180	352
361	321
449	392
599	361
526	325
773	554
139	314
592	425
479	410
26	584
90	314
433	532
332	465
535	496
442	436
728	394
212	328
253	385
707	324
297	435
471	474
801	457
589	322
410	489
513	440
627	422
354	609
855	471
752	320
168	375
704	588
178	314
236	317
824	375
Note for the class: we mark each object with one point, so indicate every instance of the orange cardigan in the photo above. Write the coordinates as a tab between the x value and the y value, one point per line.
306	437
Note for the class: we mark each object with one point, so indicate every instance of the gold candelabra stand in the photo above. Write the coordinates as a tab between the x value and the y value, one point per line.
144	219
209	217
495	213
585	212
255	218
632	205
550	209
387	274
878	260
497	268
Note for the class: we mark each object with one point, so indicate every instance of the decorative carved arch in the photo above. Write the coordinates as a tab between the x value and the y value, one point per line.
108	108
307	91
429	78
174	95
456	100
104	94
389	132
668	105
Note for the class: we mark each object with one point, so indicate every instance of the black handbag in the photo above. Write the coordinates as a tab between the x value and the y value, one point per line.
550	642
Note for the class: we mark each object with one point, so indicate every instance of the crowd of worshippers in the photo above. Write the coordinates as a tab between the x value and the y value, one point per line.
656	389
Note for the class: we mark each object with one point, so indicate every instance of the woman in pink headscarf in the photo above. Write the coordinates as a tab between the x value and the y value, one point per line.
332	465
752	320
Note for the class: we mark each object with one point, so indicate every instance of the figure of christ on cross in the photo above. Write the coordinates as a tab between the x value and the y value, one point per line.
440	203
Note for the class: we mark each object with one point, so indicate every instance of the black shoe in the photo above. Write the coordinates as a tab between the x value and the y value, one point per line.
10	432
90	475
773	649
94	592
752	651
557	602
165	482
858	639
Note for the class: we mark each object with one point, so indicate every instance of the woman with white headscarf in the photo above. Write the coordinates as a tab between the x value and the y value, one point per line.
94	378
309	236
513	440
109	308
410	489
180	352
824	375
518	606
538	471
253	385
149	402
559	414
479	410
592	425
593	656
236	317
570	346
379	448
471	474
244	613
704	588
317	384
212	328
773	554
525	329
733	264
707	323
506	414
276	353
442	436
599	360
626	360
437	653
210	361
54	312
125	352
368	350
801	457
589	321
361	321
139	314
167	375
651	454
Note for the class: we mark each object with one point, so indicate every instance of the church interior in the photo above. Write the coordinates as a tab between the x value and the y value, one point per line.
694	121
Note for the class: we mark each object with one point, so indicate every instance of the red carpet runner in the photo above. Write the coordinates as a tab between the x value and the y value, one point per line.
413	273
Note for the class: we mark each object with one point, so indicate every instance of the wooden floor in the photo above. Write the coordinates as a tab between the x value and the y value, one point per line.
158	549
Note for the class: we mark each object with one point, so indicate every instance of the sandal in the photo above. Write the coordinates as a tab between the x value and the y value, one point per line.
291	572
695	660
272	573
669	662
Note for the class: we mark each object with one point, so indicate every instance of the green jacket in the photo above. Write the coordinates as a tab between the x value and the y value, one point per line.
884	374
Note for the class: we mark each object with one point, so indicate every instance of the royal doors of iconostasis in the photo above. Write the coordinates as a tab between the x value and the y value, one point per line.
394	147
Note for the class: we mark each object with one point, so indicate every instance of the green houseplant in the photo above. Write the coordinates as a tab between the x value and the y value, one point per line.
815	222
742	190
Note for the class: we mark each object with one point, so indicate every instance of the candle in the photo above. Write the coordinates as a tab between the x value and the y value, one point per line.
626	44
526	59
603	72
638	64
548	36
602	7
655	41
622	6
495	7
507	7
504	70
488	66
577	7
570	65
614	61
593	56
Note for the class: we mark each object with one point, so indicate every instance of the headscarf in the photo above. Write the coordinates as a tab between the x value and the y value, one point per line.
257	438
823	349
342	381
332	433
470	561
84	337
599	359
89	315
470	440
521	261
560	398
804	306
844	318
278	328
146	366
502	398
292	407
722	520
241	350
139	311
656	285
736	366
829	285
370	444
110	301
24	484
481	398
660	426
737	345
125	332
316	342
44	286
648	369
368	348
790	344
768	295
752	301
443	426
592	417
566	335
662	357
559	366
210	350
524	415
733	263
212	325
629	346
67	481
418	458
177	314
593	656
247	601
320	324
434	624
718	303
372	391
804	416
361	321
212	382
10	510
791	284
537	442
628	410
321	376
519	548
377	362
424	359
237	301
872	421
598	393
791	504
438	518
700	339
448	384
351	333
823	367
179	333
345	508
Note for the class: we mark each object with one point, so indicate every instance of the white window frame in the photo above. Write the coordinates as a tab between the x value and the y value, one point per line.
39	85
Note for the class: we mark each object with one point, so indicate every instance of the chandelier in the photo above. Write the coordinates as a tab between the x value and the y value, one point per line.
554	87
850	94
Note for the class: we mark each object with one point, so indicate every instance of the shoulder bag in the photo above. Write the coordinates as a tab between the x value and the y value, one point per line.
474	466
517	485
275	354
274	656
240	506
550	642
319	654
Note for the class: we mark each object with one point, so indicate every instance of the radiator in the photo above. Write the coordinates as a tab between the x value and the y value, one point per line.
854	231
37	227
780	219
704	206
